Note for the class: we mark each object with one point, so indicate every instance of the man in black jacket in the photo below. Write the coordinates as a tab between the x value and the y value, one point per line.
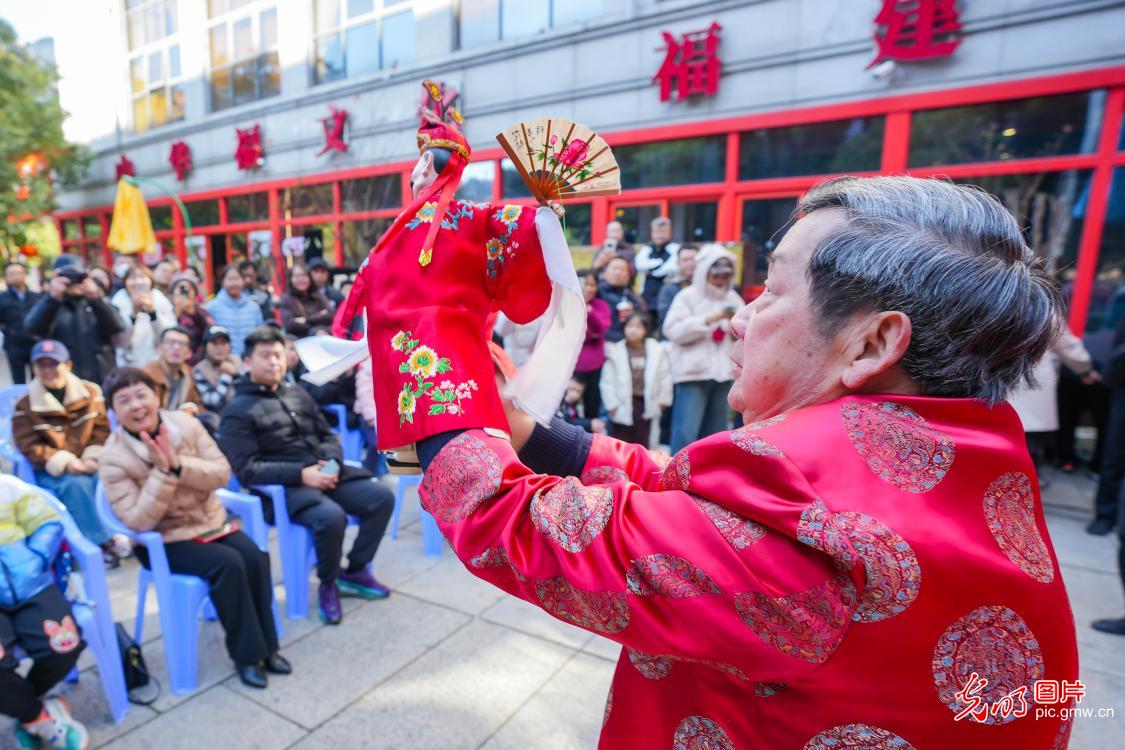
274	433
15	303
74	312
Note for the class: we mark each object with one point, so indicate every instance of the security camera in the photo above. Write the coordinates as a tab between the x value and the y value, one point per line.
884	70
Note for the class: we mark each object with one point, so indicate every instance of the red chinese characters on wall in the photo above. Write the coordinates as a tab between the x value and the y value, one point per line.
180	159
334	131
691	65
249	154
916	30
124	168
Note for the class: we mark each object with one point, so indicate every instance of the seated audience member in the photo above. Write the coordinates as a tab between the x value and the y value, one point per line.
190	314
234	309
318	267
170	373
214	375
35	616
304	307
74	311
147	312
60	427
161	470
274	433
570	409
636	384
615	290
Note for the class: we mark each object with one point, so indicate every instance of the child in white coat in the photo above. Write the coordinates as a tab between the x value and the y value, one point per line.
636	383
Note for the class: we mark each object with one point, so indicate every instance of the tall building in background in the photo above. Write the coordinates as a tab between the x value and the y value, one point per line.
721	113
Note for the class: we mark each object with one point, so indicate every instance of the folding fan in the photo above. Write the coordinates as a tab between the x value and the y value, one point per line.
561	159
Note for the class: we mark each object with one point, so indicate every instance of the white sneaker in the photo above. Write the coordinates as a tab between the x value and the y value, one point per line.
60	730
122	546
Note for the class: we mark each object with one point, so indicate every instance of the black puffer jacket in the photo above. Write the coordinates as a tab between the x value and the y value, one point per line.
85	326
270	435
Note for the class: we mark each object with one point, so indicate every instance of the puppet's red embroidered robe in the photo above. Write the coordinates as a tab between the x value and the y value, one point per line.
828	579
484	258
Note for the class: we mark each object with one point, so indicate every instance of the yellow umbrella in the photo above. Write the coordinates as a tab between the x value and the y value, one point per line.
131	230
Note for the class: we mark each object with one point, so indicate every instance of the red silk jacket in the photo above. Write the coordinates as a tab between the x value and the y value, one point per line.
829	578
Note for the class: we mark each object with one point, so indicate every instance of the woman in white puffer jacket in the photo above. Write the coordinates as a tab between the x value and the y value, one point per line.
697	328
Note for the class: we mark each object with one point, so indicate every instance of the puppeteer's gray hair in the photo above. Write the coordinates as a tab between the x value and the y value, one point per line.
950	257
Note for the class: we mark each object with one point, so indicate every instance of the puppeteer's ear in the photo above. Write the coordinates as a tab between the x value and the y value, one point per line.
427	160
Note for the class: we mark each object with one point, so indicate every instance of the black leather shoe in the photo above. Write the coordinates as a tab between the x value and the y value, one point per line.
252	675
1113	627
1100	527
277	664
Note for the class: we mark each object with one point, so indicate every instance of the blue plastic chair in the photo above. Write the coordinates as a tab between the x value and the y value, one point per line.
182	598
298	554
432	540
351	441
21	466
93	614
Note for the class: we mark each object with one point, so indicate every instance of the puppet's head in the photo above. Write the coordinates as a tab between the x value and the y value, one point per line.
441	144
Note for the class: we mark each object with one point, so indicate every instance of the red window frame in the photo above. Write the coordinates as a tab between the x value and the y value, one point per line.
731	192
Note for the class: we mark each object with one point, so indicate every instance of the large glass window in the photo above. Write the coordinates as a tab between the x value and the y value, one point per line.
248	207
483	21
513	184
244	58
636	221
203	213
155	74
357	37
309	200
763	224
161	217
694	222
476	181
683	162
1111	259
819	148
371	193
359	237
576	223
998	131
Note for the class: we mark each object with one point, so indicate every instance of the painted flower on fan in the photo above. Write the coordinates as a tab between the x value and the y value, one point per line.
575	153
400	341
406	404
423	362
511	214
427	211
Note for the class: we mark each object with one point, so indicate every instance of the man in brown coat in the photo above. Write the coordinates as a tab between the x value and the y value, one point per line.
60	427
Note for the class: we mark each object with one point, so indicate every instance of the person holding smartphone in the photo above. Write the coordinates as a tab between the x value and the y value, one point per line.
161	470
74	311
273	432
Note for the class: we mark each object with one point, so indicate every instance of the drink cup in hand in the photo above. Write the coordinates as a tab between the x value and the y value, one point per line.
624	309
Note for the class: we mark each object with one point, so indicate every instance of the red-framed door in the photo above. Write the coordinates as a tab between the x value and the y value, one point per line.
760	220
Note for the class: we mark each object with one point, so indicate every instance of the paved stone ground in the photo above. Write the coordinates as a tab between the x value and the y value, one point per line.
450	662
